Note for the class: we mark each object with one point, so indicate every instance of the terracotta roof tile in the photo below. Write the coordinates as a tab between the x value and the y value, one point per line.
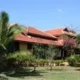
47	34
26	38
59	31
55	31
32	30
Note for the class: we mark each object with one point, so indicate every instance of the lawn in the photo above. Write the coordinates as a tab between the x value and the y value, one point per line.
42	73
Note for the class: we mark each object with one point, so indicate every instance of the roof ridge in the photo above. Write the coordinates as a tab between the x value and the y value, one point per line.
56	28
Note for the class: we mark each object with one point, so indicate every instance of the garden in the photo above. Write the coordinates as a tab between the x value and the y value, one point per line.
43	64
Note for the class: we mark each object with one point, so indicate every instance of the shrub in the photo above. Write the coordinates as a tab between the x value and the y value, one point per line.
41	62
20	59
58	62
74	60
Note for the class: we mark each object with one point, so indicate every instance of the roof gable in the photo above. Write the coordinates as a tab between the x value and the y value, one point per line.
60	31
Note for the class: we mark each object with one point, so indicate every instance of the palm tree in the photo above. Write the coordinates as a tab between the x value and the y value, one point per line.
7	32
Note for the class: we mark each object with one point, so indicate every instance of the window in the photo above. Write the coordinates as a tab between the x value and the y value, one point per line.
29	46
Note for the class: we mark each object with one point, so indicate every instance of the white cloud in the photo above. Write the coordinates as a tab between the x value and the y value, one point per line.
59	10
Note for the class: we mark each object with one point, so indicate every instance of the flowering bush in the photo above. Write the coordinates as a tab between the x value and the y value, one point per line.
69	46
70	42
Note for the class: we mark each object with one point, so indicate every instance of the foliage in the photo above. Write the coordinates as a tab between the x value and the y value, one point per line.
52	52
58	62
46	62
72	31
20	58
40	51
41	62
65	37
7	32
69	46
77	51
45	51
78	39
74	60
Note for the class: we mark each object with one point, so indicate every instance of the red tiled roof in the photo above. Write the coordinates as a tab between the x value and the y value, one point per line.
34	31
26	38
48	34
59	31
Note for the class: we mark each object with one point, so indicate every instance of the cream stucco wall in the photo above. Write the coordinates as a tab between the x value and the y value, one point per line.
23	46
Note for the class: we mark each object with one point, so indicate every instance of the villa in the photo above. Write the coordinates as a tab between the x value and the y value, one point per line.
31	35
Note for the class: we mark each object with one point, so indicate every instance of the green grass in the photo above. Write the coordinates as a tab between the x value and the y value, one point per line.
42	73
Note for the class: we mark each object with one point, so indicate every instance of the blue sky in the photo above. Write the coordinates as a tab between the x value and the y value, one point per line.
43	14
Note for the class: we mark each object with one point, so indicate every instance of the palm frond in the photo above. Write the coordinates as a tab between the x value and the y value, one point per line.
7	33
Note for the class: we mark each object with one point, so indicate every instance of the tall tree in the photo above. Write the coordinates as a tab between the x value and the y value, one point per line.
7	32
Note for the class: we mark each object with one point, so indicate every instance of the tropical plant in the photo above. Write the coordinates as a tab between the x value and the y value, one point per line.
74	60
7	34
7	31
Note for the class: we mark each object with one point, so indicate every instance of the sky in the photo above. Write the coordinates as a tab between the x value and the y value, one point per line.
43	14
